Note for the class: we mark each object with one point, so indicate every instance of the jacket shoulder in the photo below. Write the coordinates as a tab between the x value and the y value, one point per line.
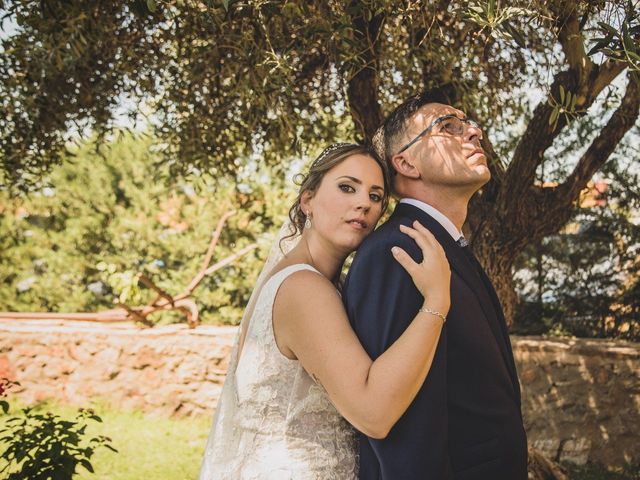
386	236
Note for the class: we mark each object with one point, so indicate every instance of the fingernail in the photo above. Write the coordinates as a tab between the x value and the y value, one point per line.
395	250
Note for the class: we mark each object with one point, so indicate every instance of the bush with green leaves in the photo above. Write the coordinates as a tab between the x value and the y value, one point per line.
44	446
5	386
585	281
104	216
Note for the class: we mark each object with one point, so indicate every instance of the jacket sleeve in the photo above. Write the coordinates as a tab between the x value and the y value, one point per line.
381	301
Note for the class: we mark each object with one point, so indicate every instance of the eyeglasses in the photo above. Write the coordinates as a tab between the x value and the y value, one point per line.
451	125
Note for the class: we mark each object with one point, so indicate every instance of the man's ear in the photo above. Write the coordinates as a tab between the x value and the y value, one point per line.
404	166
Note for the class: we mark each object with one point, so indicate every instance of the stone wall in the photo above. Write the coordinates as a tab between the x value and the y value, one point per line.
581	398
169	369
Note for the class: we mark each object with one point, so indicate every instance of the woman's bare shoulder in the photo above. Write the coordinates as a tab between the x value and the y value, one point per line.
305	287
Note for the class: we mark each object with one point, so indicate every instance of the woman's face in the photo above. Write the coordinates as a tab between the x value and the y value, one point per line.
347	205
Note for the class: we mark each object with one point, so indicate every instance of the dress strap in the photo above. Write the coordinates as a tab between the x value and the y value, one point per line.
270	289
272	285
280	277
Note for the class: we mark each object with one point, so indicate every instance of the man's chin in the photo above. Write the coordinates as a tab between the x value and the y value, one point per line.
482	171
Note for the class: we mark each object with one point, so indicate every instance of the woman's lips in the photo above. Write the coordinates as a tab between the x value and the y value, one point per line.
357	223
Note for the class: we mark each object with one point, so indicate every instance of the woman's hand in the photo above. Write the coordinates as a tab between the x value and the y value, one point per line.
432	277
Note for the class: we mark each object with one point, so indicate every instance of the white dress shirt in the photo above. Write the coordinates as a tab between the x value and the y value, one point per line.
437	215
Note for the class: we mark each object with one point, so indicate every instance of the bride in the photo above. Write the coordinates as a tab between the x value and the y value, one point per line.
297	370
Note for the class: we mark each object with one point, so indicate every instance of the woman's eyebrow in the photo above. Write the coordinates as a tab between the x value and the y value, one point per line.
353	179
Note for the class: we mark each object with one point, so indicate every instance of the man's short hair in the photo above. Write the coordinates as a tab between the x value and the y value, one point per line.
386	139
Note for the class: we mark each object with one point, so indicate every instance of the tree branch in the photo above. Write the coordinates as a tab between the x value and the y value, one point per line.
456	36
549	208
216	266
161	293
137	316
606	73
602	146
207	258
572	41
540	135
362	90
583	78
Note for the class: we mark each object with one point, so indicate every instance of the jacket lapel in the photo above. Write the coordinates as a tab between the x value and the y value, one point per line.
473	275
501	322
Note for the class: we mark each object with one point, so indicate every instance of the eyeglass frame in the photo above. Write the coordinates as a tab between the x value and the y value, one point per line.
438	121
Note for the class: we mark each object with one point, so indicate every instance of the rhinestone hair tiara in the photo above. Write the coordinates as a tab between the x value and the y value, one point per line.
331	148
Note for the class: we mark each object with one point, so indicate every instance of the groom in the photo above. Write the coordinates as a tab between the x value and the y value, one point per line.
465	422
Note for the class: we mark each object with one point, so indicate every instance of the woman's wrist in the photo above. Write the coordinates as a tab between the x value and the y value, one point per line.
437	302
434	313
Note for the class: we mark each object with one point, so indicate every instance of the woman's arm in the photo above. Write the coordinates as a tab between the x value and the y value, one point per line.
311	325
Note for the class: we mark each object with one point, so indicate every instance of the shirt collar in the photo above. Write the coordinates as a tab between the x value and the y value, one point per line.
437	215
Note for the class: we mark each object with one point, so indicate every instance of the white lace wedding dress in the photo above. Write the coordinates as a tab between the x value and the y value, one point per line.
273	421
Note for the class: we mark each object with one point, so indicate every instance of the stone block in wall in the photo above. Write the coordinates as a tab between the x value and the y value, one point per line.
549	447
575	450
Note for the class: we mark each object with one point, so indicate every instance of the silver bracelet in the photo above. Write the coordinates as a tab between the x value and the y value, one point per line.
433	312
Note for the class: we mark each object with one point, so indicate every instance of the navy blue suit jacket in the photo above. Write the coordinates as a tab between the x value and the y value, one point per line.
465	422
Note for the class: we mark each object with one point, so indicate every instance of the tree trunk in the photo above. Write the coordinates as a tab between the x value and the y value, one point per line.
363	86
496	251
501	275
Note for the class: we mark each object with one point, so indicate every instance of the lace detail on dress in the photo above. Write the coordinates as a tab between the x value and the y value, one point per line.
285	426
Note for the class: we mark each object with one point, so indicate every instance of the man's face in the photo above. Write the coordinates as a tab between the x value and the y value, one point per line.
445	159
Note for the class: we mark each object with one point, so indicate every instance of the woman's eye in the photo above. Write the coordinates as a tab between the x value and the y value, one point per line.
375	197
346	188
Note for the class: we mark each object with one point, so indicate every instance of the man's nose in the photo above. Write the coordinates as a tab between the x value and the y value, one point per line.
473	134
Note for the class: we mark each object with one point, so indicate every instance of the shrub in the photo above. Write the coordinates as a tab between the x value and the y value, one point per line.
43	446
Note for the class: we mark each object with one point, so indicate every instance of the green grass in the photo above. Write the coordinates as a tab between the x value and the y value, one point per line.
597	472
150	447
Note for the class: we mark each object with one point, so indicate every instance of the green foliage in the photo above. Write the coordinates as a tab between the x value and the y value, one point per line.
150	446
125	284
498	20
229	79
565	105
79	243
623	43
585	280
44	446
599	472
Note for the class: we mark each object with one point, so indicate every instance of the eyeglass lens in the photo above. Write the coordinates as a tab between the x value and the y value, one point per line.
453	126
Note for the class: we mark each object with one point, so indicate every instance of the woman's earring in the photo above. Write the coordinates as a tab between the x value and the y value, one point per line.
307	220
